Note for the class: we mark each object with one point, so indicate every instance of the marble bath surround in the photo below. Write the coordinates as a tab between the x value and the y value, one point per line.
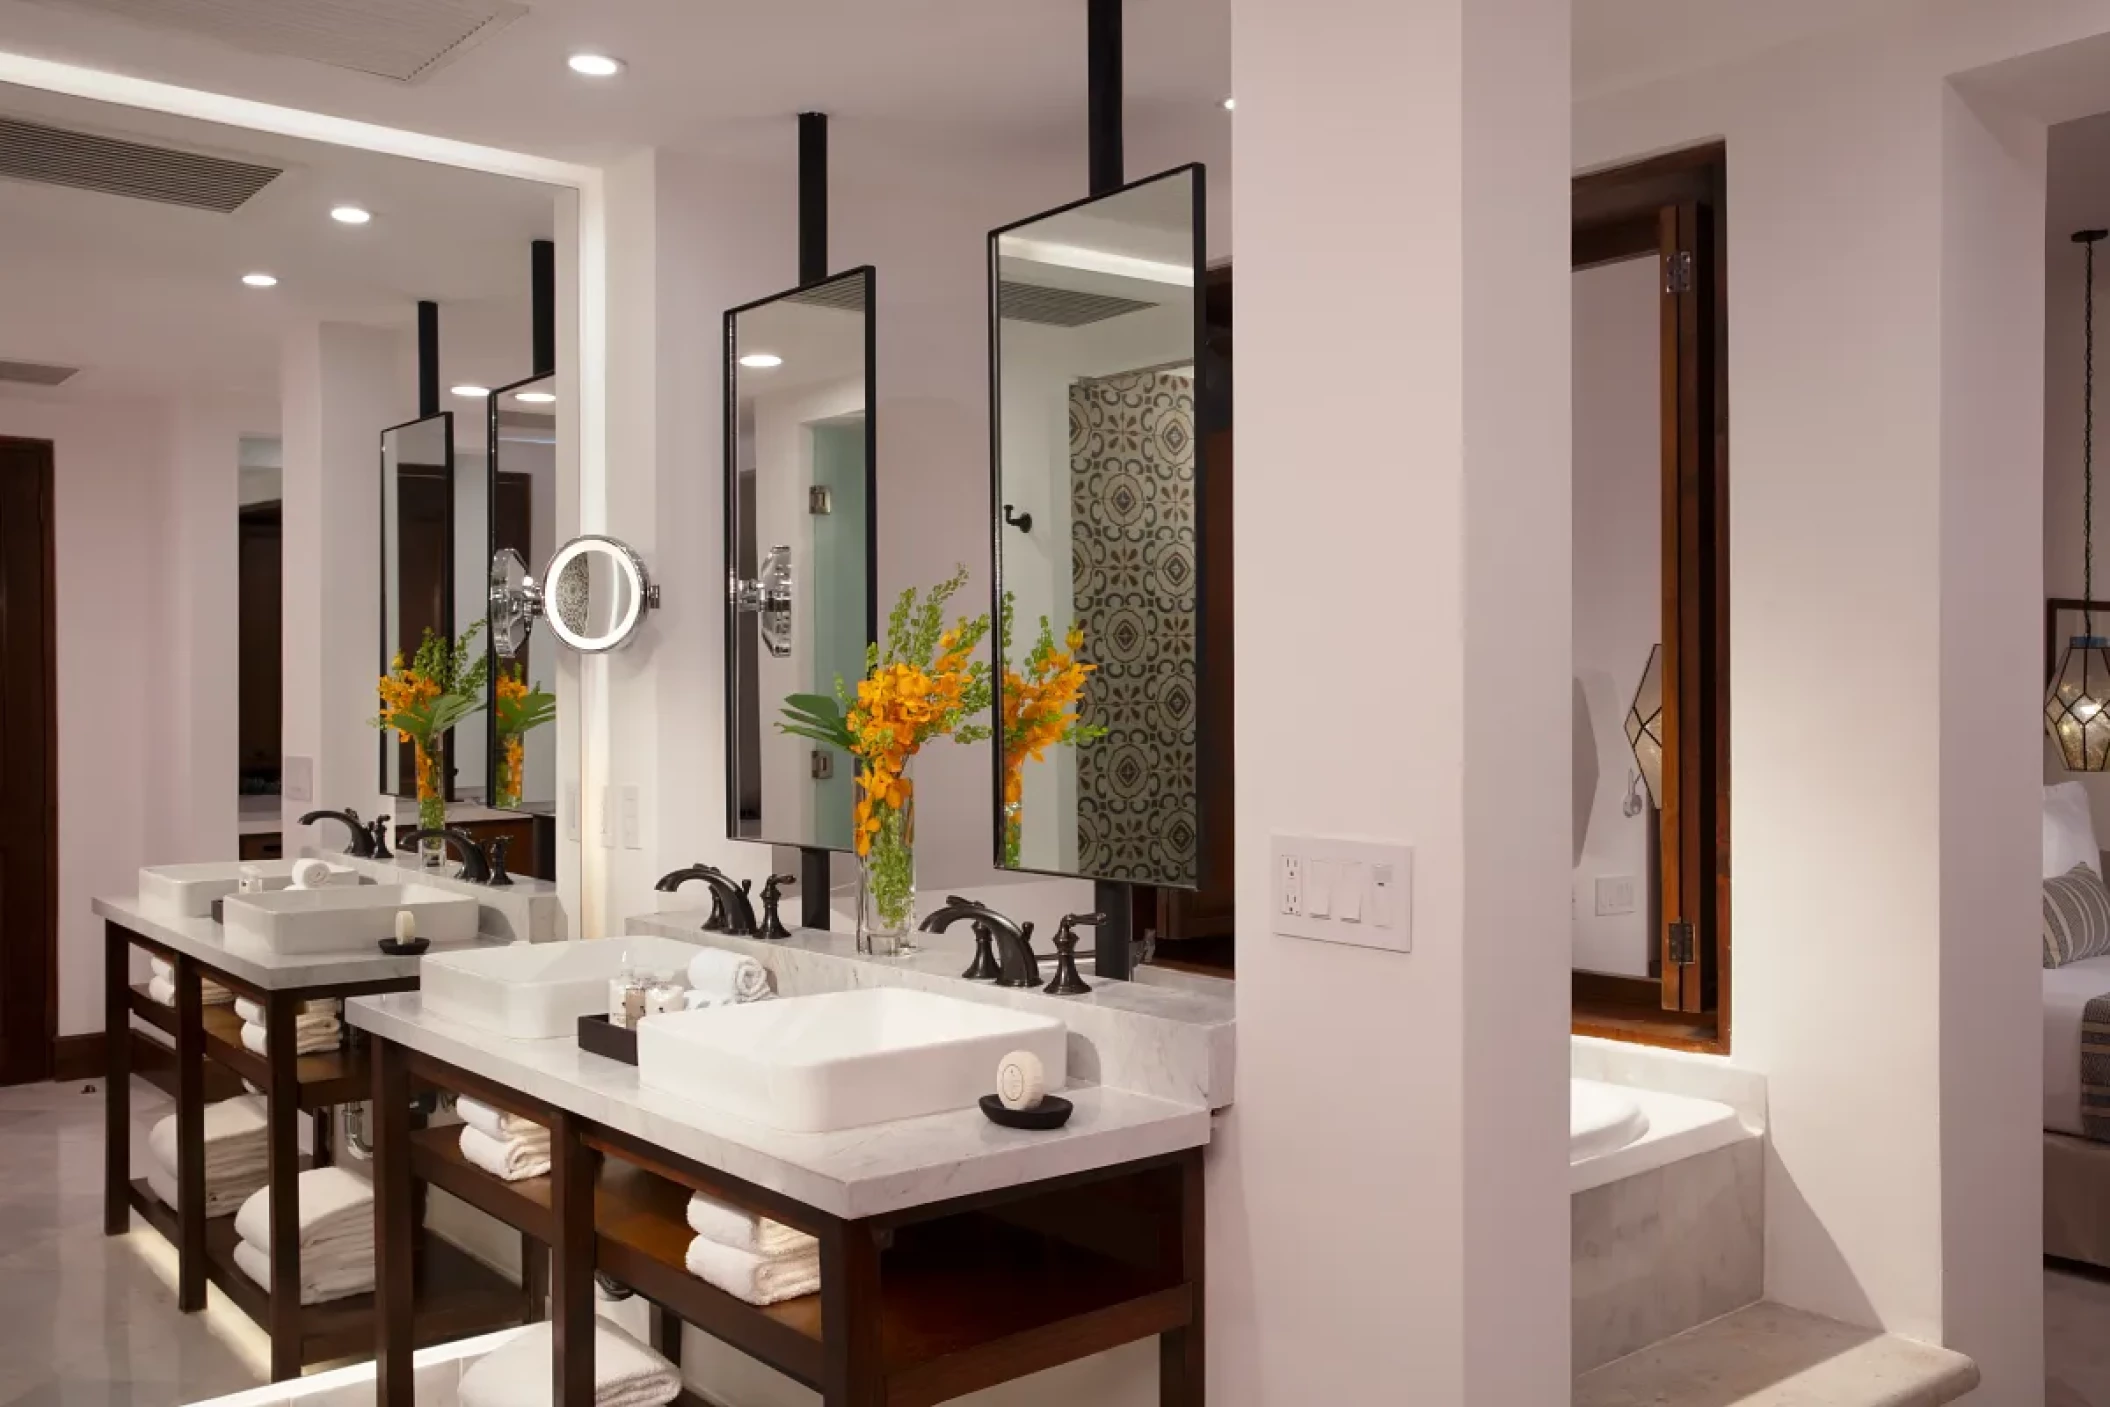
1163	1042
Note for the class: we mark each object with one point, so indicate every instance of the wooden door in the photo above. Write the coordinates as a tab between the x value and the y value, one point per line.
29	804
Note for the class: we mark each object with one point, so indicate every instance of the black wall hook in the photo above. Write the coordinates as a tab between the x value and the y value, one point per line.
1022	521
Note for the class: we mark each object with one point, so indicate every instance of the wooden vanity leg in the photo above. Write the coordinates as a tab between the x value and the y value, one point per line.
282	1138
190	1138
117	1081
1181	1356
666	1334
395	1282
852	1368
573	1170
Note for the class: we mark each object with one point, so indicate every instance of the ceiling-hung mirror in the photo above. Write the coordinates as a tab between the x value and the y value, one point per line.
800	442
520	747
420	508
1097	338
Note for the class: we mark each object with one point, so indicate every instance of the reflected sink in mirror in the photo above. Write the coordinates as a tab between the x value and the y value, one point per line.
346	918
538	991
188	891
842	1060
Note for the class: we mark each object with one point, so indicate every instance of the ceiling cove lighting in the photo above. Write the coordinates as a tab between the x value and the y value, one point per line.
595	65
260	280
350	214
761	361
535	397
469	391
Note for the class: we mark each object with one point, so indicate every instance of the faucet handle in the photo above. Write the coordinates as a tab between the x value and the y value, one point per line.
495	861
1071	922
1067	982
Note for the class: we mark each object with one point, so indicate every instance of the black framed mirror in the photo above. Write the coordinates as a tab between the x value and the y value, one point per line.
520	745
421	587
1097	353
801	547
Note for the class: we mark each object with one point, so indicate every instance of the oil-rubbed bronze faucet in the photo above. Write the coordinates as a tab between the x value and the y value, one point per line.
731	909
1017	964
362	846
475	868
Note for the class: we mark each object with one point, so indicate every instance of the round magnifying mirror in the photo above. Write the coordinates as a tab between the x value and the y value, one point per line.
596	594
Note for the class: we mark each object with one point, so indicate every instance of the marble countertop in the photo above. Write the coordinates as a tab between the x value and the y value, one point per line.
1772	1356
207	941
854	1173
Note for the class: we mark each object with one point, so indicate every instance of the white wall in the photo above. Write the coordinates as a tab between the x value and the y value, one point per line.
1618	592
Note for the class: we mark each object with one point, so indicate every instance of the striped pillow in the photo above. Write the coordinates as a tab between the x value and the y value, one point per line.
2076	917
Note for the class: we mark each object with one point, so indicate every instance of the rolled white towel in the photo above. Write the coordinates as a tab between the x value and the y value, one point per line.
316	1286
728	974
514	1159
517	1373
478	1115
161	970
162	989
744	1230
335	1207
758	1280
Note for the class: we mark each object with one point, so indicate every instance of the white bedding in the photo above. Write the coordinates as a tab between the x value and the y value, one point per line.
2067	992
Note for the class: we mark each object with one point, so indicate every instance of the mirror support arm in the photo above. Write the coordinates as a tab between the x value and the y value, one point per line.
1116	938
813	889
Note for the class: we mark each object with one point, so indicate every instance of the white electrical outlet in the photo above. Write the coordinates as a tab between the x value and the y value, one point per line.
633	826
1358	892
296	779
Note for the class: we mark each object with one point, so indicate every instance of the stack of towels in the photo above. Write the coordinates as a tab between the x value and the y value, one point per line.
721	978
749	1256
316	1028
162	986
503	1145
336	1236
236	1159
517	1373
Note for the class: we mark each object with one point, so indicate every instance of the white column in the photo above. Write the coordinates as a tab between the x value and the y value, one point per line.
1389	1200
340	389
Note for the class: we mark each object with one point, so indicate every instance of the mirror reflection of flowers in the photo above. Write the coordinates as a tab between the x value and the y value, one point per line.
927	685
522	708
1039	710
442	685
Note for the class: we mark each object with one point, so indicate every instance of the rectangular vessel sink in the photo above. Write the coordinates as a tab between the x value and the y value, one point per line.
842	1060
345	918
187	891
538	991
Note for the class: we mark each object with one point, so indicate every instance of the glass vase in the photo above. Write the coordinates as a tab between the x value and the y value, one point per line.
886	865
432	810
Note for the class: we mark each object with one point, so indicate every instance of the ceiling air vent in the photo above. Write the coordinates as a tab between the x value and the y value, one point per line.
36	373
844	294
30	151
399	39
1060	307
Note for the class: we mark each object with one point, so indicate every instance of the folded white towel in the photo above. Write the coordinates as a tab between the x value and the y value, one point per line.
517	1372
335	1207
162	989
234	1136
317	1286
755	1279
514	1159
253	1012
165	972
479	1115
744	1230
219	1200
312	1035
728	974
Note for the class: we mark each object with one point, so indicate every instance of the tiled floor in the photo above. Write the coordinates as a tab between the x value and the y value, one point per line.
85	1320
2076	1339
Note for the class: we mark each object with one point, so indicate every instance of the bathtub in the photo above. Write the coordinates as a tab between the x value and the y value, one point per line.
1615	1131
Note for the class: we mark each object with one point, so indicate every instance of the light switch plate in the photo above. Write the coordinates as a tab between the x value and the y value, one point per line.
1615	895
1367	888
296	778
633	833
571	811
608	818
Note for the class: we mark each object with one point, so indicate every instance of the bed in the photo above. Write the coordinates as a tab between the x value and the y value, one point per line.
2076	1168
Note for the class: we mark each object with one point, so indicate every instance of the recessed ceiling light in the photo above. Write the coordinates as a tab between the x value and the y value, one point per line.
761	361
471	391
350	214
259	280
536	397
1230	104
596	65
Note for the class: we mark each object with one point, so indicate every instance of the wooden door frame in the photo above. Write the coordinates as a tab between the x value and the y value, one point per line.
1678	202
28	1058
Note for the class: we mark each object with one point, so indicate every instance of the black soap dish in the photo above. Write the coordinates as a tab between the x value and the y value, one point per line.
1052	1112
397	948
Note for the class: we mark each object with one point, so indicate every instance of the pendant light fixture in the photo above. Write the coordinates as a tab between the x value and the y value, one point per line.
2077	710
1644	726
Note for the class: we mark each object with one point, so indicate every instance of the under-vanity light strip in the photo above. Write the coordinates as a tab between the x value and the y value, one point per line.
1097	261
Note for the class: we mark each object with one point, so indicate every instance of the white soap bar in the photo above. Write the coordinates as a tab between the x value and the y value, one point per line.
1020	1080
406	925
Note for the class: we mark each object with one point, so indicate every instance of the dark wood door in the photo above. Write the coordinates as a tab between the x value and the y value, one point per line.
29	801
258	612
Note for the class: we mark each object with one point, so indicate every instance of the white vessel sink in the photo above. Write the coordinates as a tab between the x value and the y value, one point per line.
538	991
345	918
187	891
842	1060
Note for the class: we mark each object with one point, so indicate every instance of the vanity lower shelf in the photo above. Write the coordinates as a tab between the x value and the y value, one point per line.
966	1299
458	1296
327	1078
